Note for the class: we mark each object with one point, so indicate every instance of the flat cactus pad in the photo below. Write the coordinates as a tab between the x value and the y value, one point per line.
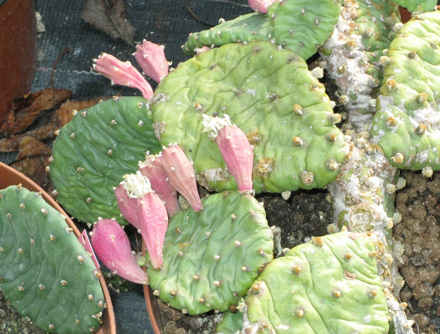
328	285
270	94
44	270
407	123
94	151
211	257
302	25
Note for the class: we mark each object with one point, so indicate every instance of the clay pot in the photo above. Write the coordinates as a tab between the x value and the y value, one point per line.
8	177
18	50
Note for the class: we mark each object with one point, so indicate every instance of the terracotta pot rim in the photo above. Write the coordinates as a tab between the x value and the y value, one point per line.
10	176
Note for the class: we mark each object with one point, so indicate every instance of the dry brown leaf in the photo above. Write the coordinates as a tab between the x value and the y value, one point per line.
109	17
66	111
46	131
26	108
33	160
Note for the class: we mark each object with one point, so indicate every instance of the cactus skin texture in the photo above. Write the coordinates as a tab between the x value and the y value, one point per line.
231	323
354	51
302	25
328	285
243	29
94	151
407	123
416	6
287	117
211	257
45	272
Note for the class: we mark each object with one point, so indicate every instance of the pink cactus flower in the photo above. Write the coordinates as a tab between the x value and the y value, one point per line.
151	57
150	214
235	148
122	73
152	168
181	174
111	245
261	6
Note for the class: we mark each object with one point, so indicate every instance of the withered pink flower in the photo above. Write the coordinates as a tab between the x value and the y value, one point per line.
151	58
150	214
111	245
181	174
152	168
235	148
122	73
261	6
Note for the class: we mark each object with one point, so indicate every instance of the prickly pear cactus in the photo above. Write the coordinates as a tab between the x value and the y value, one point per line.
245	28
94	151
354	51
269	93
211	257
407	124
44	271
328	285
302	25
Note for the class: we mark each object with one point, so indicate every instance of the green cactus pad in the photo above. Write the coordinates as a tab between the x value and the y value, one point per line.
417	5
245	28
44	271
269	93
302	25
94	151
231	323
211	257
329	285
407	124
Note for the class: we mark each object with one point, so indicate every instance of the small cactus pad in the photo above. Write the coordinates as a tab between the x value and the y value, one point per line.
93	152
270	94
328	285
302	25
407	124
243	29
231	323
45	272
417	6
211	257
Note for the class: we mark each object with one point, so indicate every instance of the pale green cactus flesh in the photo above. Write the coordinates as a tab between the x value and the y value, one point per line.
211	257
407	123
245	28
302	25
270	94
231	323
44	270
417	6
94	151
328	285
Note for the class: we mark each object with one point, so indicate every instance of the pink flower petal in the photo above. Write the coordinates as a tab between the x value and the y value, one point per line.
112	247
152	168
151	58
122	73
261	5
181	174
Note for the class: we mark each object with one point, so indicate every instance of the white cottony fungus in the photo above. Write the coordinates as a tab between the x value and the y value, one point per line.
181	174
145	210
122	73
112	246
261	6
236	150
151	58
